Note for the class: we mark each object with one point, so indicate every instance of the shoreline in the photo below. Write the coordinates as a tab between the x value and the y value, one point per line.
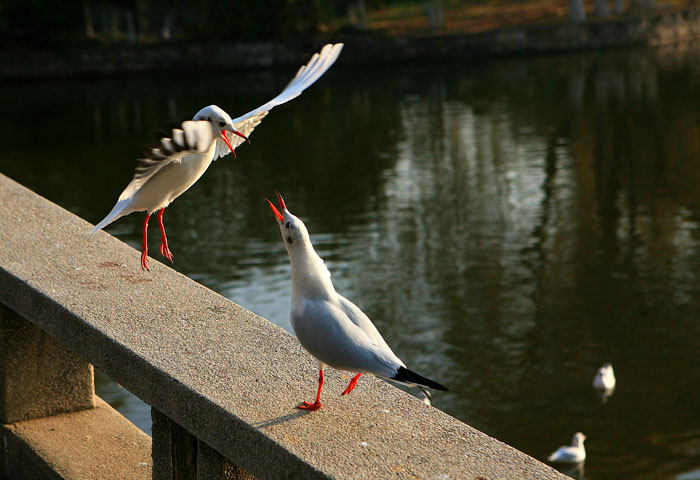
655	29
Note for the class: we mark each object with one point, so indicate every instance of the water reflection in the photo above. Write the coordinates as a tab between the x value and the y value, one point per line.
509	226
119	398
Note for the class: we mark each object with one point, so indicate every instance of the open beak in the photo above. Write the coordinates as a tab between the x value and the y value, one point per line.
277	213
225	139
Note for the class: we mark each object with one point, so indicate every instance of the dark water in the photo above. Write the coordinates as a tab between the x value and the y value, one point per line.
508	225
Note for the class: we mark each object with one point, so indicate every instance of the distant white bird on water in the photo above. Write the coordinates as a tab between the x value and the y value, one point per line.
604	378
573	453
425	396
329	326
179	161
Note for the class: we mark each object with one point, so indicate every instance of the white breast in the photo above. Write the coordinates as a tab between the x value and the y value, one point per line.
172	181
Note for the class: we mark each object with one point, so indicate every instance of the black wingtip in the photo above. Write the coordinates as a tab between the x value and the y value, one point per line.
405	375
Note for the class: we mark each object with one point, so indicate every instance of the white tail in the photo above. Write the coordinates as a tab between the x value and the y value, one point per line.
117	212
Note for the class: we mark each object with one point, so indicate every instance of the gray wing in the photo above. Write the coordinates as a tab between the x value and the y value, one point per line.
382	350
325	330
192	137
305	77
358	317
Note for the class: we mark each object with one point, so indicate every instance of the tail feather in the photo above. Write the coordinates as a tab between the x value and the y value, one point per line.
119	210
405	375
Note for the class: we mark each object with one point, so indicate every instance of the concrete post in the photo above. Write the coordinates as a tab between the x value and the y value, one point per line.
179	455
38	377
213	466
174	450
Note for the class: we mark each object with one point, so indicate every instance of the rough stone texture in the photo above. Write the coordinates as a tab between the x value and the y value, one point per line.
94	444
211	465
38	377
226	375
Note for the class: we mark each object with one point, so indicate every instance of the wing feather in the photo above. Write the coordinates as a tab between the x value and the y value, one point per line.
381	349
245	127
329	333
304	78
192	137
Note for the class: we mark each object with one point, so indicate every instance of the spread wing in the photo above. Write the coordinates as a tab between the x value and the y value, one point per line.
305	77
192	137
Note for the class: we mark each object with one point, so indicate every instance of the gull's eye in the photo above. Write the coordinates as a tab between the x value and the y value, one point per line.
222	123
287	225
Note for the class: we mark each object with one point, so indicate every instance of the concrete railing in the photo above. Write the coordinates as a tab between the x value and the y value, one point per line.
222	382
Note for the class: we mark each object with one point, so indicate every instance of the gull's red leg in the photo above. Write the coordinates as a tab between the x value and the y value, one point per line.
351	385
317	404
164	250
144	247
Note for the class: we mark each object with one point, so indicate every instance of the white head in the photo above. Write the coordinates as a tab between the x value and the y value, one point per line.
220	122
310	276
606	375
578	439
294	232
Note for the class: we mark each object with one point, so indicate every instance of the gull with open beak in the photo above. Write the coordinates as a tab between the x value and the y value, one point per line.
181	159
329	326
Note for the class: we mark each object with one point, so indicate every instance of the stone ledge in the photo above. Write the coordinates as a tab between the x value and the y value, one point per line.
226	375
95	444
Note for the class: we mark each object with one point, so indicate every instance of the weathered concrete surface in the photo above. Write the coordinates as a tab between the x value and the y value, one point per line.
92	444
38	377
227	376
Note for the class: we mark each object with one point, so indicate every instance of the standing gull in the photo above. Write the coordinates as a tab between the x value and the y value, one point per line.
604	382
604	378
329	326
177	162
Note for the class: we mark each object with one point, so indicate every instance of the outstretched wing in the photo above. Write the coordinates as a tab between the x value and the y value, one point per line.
305	77
192	137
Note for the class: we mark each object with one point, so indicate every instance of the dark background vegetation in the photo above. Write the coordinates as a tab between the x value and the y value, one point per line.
42	21
57	22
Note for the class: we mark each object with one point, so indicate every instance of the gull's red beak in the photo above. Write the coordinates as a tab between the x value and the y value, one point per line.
225	139
242	136
281	200
277	213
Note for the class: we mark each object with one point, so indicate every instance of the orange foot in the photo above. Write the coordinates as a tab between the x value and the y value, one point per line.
165	251
310	406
